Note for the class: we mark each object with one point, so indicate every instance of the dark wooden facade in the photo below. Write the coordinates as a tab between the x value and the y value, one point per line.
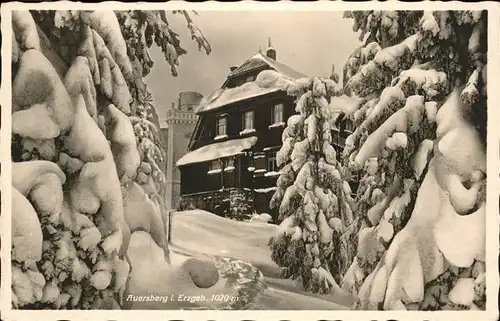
253	170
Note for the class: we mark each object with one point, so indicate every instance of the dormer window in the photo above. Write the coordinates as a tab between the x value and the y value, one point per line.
277	115
221	127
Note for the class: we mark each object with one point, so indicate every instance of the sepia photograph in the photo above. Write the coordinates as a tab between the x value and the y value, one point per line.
192	159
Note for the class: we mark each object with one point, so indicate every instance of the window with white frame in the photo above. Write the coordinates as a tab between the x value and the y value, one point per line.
221	125
277	115
248	118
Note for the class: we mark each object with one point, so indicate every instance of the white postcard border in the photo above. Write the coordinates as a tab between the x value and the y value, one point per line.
493	166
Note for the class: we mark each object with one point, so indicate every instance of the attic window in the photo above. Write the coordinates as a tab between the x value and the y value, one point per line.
250	78
221	126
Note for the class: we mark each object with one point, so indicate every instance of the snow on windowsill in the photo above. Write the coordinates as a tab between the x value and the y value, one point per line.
229	169
257	171
272	174
276	125
214	171
259	156
266	190
251	169
247	131
219	137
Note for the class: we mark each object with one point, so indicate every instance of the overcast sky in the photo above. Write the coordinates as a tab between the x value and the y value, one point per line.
309	42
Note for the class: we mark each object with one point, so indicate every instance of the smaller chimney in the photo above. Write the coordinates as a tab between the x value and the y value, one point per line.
270	52
173	105
232	68
334	76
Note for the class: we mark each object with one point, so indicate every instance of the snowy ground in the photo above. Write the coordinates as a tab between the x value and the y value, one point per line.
248	279
206	236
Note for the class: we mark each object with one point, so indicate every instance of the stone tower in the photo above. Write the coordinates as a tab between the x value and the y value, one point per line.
176	133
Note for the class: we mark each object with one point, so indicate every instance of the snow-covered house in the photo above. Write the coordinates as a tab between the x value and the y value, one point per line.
237	135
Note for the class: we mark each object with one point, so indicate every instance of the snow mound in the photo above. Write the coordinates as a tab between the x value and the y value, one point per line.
186	276
405	120
205	234
25	30
261	218
463	292
27	235
23	120
123	142
25	175
345	104
453	127
37	82
136	201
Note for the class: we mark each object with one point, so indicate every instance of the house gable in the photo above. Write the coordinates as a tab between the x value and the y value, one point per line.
239	87
256	64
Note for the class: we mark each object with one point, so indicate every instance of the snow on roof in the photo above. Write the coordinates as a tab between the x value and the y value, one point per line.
217	150
163	124
258	60
261	86
267	81
344	104
279	67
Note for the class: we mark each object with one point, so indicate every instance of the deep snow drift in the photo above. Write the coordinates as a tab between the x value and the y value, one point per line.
205	236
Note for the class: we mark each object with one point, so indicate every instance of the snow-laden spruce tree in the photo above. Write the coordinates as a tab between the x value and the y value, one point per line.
313	199
85	152
419	146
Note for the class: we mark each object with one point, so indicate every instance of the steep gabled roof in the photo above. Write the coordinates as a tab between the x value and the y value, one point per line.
249	65
260	60
280	67
224	96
